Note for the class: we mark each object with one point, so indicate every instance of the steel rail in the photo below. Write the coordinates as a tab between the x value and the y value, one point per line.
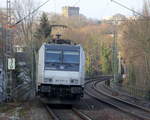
98	78
52	114
78	113
119	105
119	99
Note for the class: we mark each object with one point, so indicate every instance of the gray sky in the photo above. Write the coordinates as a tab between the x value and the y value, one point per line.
91	8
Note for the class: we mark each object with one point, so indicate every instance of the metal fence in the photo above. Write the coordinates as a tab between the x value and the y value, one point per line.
132	90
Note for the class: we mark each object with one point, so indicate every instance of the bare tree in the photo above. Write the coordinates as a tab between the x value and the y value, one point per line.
135	45
24	33
24	28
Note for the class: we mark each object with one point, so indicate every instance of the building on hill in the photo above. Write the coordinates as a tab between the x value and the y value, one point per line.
115	19
68	11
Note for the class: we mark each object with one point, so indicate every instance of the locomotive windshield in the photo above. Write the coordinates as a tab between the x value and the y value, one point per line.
53	56
71	57
62	59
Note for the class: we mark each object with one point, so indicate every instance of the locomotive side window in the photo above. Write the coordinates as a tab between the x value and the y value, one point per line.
71	57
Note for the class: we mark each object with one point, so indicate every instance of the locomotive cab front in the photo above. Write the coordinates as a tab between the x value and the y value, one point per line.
61	71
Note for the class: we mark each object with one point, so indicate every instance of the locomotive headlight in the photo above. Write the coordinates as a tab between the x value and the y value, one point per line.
48	80
71	81
74	81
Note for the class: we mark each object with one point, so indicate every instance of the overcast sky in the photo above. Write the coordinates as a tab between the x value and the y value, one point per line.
90	8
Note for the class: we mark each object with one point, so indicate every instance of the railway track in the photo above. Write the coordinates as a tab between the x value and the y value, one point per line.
95	90
101	88
66	114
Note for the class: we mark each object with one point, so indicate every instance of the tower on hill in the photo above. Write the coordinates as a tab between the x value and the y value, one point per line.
70	11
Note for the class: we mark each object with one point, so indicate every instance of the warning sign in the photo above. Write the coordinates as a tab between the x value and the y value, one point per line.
11	63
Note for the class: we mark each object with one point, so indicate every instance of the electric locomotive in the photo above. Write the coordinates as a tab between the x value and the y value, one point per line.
61	71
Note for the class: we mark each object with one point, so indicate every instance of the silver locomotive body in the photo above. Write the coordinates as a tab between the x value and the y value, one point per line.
61	71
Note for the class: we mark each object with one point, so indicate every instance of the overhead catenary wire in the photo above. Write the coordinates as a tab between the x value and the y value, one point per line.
118	3
30	13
